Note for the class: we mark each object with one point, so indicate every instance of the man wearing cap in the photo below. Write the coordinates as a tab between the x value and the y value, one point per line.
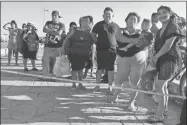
54	30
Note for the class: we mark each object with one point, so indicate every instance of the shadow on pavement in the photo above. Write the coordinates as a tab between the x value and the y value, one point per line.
30	104
29	100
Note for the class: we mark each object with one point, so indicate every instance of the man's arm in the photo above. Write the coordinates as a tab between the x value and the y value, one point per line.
94	37
61	30
47	30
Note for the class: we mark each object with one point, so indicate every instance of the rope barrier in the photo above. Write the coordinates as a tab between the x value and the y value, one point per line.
88	83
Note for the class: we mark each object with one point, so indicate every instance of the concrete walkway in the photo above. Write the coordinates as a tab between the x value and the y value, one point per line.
31	101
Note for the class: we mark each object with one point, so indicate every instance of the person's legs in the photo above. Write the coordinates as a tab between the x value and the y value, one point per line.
25	64
136	73
160	84
9	55
110	79
105	77
45	61
80	76
100	64
166	97
122	75
85	73
183	114
55	53
52	64
111	58
98	79
138	63
16	56
33	65
74	77
13	52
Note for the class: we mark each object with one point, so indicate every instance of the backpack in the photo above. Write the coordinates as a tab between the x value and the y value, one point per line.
32	42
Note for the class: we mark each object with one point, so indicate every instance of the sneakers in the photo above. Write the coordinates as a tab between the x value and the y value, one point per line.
34	69
81	87
109	91
73	87
96	89
26	69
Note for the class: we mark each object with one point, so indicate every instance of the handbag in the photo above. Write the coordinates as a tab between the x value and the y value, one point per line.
62	66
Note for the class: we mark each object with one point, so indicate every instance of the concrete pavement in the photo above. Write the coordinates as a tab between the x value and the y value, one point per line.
31	101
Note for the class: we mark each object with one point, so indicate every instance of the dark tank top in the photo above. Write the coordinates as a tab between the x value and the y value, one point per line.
131	51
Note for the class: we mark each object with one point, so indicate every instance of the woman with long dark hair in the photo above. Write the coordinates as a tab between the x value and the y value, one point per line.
12	43
30	46
166	59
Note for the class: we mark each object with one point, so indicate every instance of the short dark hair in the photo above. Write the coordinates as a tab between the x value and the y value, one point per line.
24	24
90	18
153	14
84	17
72	23
173	15
14	22
146	20
165	7
132	14
108	9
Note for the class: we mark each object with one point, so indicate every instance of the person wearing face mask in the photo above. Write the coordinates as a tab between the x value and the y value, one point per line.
12	43
106	44
80	46
54	30
155	27
30	48
166	58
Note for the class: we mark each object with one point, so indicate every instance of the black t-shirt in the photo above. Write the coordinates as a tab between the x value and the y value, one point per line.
81	42
131	51
103	42
50	41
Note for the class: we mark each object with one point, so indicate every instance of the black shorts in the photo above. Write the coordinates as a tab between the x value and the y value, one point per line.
106	59
77	61
29	55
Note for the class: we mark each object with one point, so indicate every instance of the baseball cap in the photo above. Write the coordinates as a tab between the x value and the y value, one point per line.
55	12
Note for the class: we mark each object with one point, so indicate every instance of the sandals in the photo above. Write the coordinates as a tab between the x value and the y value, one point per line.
155	119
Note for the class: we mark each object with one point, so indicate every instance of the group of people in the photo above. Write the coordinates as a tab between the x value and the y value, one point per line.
131	48
25	41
